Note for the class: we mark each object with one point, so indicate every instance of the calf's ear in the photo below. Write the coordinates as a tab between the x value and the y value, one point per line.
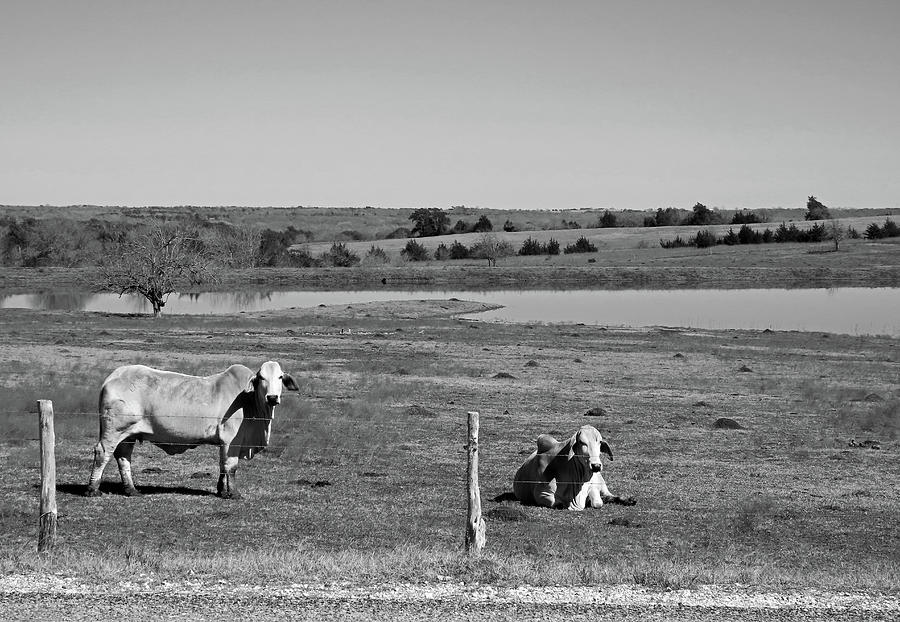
251	384
606	449
288	381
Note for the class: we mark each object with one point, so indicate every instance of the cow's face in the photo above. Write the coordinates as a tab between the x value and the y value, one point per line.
270	381
589	444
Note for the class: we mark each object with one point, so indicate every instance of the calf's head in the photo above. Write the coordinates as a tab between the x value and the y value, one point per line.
269	382
588	445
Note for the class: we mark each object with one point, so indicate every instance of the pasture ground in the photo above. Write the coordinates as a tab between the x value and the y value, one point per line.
364	481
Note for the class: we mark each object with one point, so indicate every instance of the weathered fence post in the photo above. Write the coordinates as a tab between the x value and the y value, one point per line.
47	521
475	530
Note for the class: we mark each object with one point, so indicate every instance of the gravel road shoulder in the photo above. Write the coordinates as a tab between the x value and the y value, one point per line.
49	598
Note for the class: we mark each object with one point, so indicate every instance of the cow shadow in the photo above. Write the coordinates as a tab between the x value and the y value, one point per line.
114	488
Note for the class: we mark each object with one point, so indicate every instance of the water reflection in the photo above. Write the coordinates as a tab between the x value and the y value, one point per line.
841	310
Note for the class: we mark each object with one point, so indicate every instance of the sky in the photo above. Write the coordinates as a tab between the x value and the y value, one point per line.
507	105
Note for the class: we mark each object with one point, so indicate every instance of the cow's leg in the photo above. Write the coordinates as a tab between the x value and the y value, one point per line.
545	494
581	498
123	457
600	493
102	455
227	488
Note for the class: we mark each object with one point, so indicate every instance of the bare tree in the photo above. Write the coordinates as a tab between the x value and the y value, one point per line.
155	263
491	248
837	233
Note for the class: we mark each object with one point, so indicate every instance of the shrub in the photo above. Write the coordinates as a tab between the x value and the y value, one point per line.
746	235
704	239
461	226
509	226
483	225
340	256
608	220
581	245
442	253
890	229
413	251
531	247
458	250
678	242
552	247
745	218
376	254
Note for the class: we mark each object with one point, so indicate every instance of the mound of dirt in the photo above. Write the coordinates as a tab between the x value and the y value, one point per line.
505	375
596	411
724	423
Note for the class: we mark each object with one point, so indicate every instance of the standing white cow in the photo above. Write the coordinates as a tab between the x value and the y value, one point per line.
566	474
232	409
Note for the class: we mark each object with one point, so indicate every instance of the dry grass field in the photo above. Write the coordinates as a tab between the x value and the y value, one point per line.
364	478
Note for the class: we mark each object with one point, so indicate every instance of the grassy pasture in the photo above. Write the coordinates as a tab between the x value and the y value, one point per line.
609	240
364	479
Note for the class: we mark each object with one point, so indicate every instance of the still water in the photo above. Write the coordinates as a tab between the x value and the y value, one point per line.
841	310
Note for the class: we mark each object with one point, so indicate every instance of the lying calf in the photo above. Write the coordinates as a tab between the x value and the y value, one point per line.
566	473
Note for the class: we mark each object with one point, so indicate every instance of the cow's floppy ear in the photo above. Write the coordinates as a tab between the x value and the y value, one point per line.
606	449
288	381
251	384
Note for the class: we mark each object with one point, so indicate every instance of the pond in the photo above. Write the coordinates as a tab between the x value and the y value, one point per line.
841	310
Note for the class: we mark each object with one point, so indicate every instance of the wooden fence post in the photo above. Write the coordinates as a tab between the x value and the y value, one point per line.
475	530
47	521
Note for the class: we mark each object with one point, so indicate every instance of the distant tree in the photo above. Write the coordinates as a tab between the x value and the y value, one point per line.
491	248
509	226
745	218
413	251
376	255
155	263
890	229
340	256
581	245
705	239
429	221
552	247
483	225
815	210
666	217
837	233
461	226
531	247
459	250
873	231
608	220
442	253
702	216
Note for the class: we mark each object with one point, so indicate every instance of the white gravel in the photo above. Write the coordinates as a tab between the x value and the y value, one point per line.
735	597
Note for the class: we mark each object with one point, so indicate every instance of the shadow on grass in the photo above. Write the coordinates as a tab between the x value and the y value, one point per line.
112	488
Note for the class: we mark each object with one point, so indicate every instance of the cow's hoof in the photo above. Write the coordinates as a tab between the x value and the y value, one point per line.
133	492
93	492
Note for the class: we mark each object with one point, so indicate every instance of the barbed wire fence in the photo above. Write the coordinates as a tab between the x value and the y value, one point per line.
474	539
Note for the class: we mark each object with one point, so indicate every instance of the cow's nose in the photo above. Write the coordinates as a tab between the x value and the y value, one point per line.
273	400
596	468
